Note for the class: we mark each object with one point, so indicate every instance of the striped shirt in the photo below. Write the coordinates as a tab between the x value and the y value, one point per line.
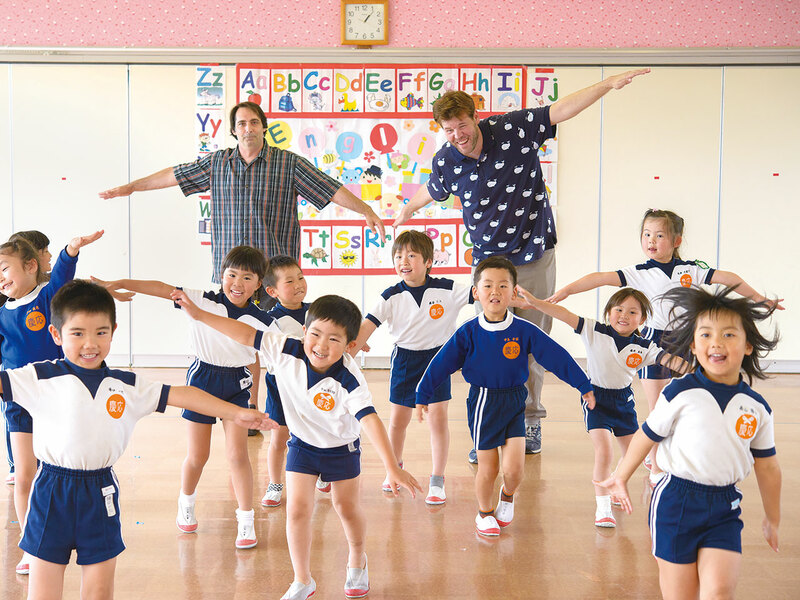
255	204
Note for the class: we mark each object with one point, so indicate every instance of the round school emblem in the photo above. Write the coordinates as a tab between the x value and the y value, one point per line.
115	405
436	311
34	320
324	401
686	280
633	360
511	350
746	426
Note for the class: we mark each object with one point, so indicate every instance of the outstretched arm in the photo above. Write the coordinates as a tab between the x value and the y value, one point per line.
202	402
159	289
373	425
236	330
617	484
730	279
346	199
553	310
420	199
768	474
674	363
571	105
76	243
586	283
158	180
367	329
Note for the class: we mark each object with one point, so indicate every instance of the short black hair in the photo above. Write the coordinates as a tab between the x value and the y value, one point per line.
277	262
35	238
246	258
339	311
252	106
80	295
495	262
418	241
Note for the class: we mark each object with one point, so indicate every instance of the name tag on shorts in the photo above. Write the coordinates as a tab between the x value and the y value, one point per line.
108	495
246	382
351	446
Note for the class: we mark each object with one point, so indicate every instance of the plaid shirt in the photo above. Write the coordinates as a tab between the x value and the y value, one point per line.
255	204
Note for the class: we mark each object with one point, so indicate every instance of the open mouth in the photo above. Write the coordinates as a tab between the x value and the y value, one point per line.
717	358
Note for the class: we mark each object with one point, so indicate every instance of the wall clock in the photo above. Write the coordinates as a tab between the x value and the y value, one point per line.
365	23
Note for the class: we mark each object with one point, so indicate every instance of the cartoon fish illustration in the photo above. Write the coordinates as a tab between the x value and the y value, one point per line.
410	102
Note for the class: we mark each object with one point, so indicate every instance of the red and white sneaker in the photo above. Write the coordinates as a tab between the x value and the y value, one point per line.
245	529
272	497
323	486
436	496
357	583
23	567
185	520
487	526
504	513
11	479
604	519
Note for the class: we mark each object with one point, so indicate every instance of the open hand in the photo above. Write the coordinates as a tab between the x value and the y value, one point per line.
122	190
401	478
76	243
619	490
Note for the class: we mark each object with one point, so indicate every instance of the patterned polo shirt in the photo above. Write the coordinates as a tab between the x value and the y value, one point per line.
255	204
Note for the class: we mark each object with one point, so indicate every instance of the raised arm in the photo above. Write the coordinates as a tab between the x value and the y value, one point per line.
553	310
586	283
768	475
420	199
204	403
160	179
674	363
159	289
571	105
236	330
729	279
366	330
346	199
373	425
76	243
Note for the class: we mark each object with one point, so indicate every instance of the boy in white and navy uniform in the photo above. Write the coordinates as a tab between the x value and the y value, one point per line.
421	313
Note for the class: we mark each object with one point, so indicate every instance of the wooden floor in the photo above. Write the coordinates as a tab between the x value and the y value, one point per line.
551	551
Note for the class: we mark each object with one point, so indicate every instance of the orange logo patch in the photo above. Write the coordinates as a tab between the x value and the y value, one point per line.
746	426
34	320
324	401
633	360
115	405
436	311
686	280
511	350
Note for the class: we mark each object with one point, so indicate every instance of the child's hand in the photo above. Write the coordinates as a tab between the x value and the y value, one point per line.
776	302
558	296
770	533
79	242
180	297
618	489
524	299
419	410
588	397
113	287
250	418
401	478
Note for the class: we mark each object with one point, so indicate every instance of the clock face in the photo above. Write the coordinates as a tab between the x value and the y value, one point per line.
364	22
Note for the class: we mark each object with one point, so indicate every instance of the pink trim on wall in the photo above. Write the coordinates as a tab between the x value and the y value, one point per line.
413	23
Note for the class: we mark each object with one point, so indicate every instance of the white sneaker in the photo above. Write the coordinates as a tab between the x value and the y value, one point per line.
655	478
323	486
385	486
185	520
435	495
245	529
604	518
487	525
272	498
11	479
504	513
24	565
300	591
357	583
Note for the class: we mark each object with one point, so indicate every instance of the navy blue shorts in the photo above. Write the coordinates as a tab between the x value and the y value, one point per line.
331	464
71	510
18	420
613	410
273	406
231	384
407	369
494	415
686	516
654	371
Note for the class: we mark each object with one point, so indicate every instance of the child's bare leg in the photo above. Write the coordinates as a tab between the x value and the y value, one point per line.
652	389
513	464
399	419
46	579
440	436
276	453
25	471
299	509
488	468
603	456
198	437
97	580
239	462
345	496
718	571
678	581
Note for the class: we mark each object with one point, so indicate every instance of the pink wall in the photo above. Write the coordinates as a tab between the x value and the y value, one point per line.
466	23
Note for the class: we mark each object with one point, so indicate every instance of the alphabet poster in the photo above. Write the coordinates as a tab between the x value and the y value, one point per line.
209	125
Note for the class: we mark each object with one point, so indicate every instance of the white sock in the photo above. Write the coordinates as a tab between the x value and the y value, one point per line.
245	516
603	503
187	498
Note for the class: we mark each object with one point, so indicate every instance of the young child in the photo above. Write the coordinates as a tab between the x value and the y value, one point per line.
85	414
614	351
421	313
285	282
224	369
661	234
24	339
710	428
326	403
492	351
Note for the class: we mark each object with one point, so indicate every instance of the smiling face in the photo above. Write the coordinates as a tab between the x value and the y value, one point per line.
239	285
17	278
658	242
85	338
464	134
411	266
325	343
495	291
625	317
720	344
290	287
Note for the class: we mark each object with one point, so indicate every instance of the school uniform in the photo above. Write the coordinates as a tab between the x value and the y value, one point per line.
709	434
220	366
290	322
84	420
612	360
653	278
493	358
322	410
420	319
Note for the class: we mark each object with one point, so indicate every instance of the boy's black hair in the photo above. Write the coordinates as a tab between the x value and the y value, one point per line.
689	304
35	238
623	294
495	262
80	295
246	258
339	311
277	262
418	241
